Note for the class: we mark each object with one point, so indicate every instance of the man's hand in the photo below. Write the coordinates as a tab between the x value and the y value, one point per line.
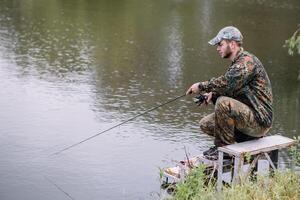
208	97
194	89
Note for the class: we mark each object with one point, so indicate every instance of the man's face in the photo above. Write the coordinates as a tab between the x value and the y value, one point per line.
224	49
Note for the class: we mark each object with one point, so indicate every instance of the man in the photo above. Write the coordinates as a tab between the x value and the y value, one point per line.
242	96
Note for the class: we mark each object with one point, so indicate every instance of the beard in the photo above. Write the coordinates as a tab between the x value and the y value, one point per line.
227	52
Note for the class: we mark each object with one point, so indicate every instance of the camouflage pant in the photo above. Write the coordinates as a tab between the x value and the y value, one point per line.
232	121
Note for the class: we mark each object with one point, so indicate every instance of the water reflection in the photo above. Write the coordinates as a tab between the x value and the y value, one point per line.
174	49
112	48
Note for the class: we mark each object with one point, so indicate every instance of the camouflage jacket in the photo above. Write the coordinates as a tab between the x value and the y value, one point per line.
246	81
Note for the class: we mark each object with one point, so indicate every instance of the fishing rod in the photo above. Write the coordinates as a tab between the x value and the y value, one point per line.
149	110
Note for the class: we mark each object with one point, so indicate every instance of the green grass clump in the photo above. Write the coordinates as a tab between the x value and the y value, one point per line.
283	185
295	151
194	187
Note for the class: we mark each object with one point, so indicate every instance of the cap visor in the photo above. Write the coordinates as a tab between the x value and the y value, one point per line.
214	41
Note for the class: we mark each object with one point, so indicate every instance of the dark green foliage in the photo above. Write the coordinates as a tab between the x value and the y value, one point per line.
295	151
293	43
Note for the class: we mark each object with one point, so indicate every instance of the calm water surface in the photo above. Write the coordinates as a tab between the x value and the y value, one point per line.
72	68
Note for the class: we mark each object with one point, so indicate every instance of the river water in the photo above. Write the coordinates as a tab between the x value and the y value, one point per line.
70	69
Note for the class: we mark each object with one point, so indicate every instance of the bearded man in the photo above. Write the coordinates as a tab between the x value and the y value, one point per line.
242	96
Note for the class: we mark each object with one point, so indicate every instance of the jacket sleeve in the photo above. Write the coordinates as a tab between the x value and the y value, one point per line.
214	97
235	78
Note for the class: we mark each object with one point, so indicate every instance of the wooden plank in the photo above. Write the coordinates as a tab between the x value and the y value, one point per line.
253	147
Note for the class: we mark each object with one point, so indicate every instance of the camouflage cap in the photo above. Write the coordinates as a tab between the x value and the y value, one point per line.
227	33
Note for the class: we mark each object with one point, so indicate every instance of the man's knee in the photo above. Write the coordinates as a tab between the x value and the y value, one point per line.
203	124
223	103
207	125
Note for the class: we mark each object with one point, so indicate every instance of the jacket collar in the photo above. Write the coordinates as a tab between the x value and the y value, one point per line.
238	55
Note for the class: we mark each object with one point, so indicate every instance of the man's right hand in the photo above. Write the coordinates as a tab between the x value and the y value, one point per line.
208	97
194	89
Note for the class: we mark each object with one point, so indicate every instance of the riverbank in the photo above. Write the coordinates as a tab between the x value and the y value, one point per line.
282	185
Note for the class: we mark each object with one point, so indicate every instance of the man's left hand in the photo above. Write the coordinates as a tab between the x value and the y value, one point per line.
194	89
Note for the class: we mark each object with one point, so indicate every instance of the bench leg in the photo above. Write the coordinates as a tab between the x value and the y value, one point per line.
220	172
238	163
270	161
274	157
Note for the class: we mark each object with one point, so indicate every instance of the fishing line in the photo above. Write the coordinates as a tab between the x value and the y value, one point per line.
149	110
59	188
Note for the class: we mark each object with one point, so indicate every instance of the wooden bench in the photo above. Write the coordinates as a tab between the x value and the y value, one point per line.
255	149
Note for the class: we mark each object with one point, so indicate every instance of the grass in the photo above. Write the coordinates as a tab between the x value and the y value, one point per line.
294	151
283	185
194	187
